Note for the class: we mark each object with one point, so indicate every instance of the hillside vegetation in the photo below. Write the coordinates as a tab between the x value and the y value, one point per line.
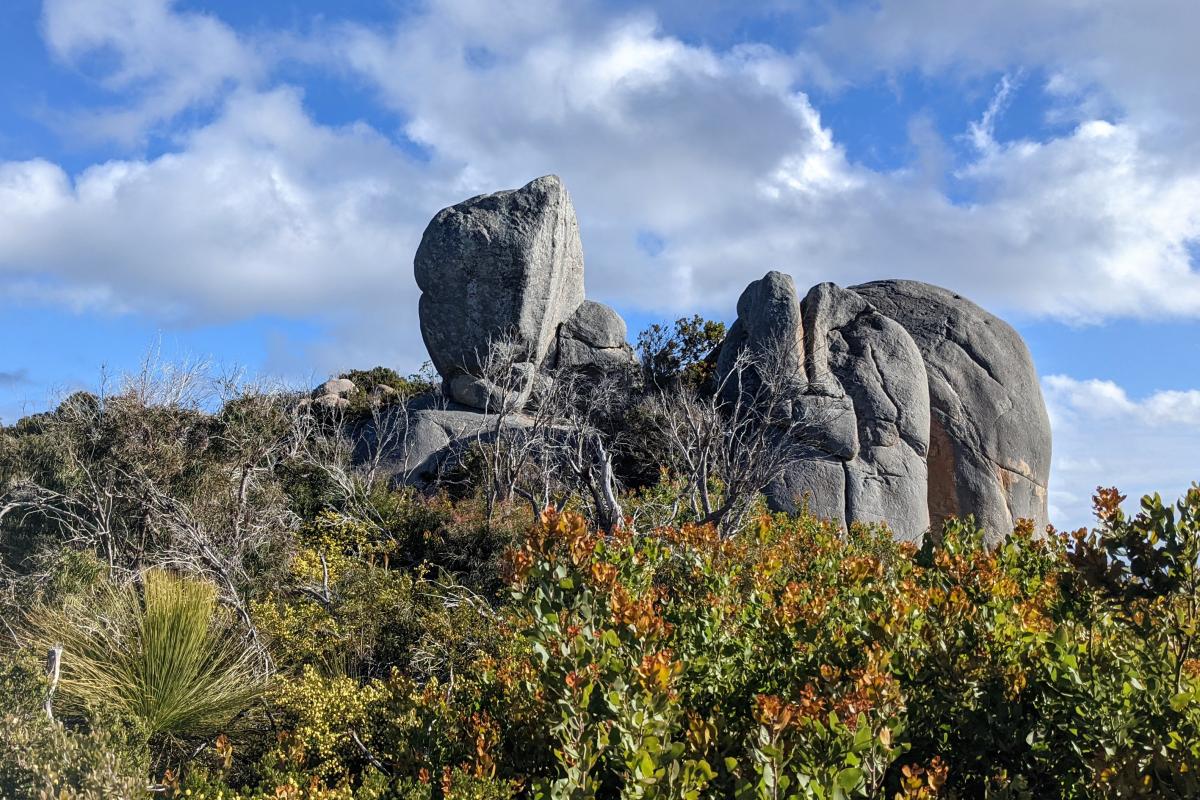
248	605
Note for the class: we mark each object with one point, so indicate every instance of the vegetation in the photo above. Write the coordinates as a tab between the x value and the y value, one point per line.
684	353
249	608
157	654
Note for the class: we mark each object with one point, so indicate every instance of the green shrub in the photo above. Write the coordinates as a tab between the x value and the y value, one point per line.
792	662
426	648
356	603
682	354
383	386
420	382
42	760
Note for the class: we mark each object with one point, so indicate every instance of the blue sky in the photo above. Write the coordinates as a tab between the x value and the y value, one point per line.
247	182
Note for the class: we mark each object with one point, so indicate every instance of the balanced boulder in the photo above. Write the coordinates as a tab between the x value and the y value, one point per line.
499	267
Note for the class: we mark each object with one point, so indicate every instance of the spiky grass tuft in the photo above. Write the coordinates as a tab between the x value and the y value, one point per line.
160	654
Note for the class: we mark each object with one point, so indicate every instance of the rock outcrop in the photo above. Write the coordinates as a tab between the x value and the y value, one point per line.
768	319
924	406
437	436
507	268
917	404
334	394
990	434
853	351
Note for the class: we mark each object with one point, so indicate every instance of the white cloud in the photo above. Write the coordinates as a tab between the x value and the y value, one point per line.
712	151
734	170
983	132
1137	54
164	60
1103	437
649	132
263	210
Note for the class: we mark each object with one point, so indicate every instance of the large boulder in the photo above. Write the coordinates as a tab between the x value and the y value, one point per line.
861	401
593	341
990	434
508	264
768	323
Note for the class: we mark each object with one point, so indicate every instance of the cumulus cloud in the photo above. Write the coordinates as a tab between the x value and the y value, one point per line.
733	170
716	155
1102	436
261	212
650	133
1136	54
162	59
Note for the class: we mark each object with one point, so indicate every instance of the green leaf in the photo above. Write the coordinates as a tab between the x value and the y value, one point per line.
849	778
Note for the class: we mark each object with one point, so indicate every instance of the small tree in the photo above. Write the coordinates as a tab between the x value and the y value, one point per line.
680	355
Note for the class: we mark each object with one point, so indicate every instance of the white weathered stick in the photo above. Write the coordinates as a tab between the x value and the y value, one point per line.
53	669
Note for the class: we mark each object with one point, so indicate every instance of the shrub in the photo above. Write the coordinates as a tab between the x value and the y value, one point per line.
383	386
791	661
432	647
673	664
40	759
682	354
358	604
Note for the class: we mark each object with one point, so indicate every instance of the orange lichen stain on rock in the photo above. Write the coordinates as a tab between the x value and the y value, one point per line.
943	491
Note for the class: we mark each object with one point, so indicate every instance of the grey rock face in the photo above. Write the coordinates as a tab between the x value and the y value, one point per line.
768	317
855	351
338	387
503	264
595	325
817	484
990	434
435	437
928	405
861	389
334	394
592	340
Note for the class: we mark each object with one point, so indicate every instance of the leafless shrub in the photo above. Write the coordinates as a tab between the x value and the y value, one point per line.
543	441
145	476
729	444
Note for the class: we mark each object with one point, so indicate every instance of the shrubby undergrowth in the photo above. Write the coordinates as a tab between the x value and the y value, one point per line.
246	611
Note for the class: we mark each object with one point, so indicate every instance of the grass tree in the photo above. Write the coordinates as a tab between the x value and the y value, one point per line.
159	652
